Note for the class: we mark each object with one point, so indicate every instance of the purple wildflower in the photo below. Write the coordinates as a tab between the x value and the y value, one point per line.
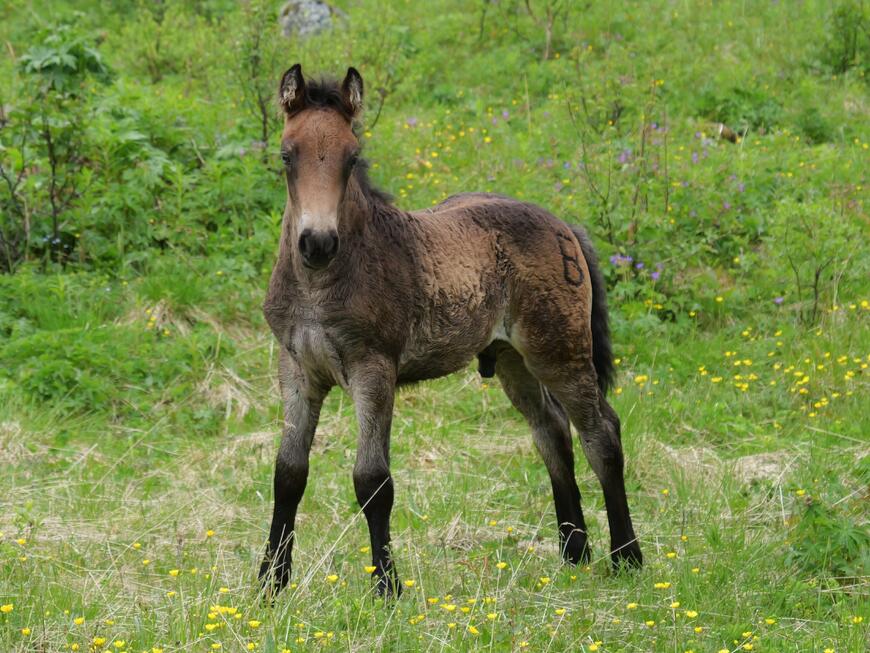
411	122
619	259
505	114
639	265
778	300
726	205
655	275
625	156
694	157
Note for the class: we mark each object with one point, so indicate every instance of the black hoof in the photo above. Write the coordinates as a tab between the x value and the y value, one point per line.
387	584
575	547
627	557
273	578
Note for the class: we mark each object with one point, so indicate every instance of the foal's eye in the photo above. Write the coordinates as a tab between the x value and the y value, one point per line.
287	157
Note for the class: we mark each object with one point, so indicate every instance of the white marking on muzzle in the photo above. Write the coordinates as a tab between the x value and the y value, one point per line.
318	222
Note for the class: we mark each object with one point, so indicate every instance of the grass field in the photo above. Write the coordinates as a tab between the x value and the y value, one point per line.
139	412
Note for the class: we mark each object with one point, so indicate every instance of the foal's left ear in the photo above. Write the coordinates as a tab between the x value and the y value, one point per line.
352	90
291	92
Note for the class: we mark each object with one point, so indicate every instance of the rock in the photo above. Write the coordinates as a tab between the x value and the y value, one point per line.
307	17
769	467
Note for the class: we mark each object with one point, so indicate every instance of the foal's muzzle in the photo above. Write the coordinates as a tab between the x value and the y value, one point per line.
318	248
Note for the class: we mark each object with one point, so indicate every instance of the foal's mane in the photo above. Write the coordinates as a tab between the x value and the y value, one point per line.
326	93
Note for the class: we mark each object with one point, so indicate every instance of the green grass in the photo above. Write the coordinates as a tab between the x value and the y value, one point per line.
139	412
751	492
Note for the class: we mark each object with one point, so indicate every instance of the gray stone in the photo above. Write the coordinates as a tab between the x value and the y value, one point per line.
307	17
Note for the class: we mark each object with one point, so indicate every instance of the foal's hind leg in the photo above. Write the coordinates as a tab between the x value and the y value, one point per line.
575	386
552	437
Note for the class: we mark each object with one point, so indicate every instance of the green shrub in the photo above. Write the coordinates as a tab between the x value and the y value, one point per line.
847	42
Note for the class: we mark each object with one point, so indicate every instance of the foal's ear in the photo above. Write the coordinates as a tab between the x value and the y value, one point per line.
352	90
291	93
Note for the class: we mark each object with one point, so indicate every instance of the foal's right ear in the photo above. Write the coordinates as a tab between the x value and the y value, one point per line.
291	93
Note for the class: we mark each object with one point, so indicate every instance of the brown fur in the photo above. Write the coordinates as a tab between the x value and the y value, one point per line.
412	296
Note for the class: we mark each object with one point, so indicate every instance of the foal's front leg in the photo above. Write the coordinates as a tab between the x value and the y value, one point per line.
302	405
373	387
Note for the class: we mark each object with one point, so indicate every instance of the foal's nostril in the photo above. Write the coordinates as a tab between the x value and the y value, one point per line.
305	243
318	248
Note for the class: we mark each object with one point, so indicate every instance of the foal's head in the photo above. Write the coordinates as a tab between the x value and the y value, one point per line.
320	151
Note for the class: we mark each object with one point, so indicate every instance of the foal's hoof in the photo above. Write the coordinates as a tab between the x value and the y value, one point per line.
273	579
576	552
387	585
627	557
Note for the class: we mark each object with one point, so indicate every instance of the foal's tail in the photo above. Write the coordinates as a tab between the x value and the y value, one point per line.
602	353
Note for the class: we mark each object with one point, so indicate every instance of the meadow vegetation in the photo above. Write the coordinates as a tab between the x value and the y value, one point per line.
140	203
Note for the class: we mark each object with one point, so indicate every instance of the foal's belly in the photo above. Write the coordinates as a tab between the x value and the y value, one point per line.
437	363
441	351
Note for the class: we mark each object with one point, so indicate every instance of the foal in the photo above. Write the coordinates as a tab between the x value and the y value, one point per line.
368	297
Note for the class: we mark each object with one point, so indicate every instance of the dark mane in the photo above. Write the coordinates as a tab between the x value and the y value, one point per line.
361	174
325	93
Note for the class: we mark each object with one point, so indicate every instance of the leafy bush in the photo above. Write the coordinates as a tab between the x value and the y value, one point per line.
847	43
815	246
43	153
741	109
829	539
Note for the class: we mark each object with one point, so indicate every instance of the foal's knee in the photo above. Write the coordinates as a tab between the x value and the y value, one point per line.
604	452
373	486
611	419
291	476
